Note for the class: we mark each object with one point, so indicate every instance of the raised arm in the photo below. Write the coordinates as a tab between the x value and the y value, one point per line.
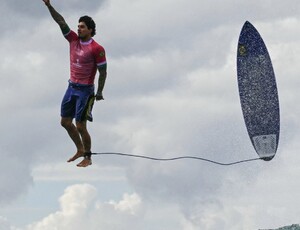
57	17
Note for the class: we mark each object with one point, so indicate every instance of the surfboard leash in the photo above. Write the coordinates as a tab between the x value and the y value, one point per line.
177	158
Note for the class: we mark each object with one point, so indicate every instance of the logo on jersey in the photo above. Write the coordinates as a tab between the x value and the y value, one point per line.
102	54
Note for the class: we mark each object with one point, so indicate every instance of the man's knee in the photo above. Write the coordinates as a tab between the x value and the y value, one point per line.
81	126
66	122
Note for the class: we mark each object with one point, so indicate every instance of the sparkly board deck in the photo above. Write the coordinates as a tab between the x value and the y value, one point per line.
258	92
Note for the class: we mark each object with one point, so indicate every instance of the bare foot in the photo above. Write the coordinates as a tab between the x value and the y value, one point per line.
85	162
76	156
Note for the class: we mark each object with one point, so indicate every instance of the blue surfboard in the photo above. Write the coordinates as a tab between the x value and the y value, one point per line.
258	92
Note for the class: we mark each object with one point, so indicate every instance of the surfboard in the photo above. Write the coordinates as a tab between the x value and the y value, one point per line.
258	92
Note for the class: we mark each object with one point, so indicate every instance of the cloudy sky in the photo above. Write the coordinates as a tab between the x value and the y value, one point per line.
171	91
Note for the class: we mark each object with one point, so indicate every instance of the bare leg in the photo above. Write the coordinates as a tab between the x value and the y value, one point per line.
66	122
86	141
85	136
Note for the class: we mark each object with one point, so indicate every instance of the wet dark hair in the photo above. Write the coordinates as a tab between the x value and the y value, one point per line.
89	23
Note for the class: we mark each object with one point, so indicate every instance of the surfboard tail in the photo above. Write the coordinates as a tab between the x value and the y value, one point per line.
265	146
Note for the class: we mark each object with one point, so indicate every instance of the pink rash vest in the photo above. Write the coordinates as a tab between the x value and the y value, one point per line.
85	57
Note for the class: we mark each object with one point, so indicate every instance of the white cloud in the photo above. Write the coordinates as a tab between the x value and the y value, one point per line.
74	204
80	209
130	203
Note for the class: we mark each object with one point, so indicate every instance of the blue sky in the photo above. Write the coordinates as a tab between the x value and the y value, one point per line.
171	91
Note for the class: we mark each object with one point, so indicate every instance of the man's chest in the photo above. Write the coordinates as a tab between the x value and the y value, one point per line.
81	53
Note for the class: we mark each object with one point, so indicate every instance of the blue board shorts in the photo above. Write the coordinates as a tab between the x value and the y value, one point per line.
78	102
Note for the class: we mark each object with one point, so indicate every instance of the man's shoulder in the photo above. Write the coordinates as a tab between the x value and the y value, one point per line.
96	45
99	53
71	36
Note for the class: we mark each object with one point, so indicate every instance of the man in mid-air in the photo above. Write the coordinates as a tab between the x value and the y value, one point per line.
86	56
